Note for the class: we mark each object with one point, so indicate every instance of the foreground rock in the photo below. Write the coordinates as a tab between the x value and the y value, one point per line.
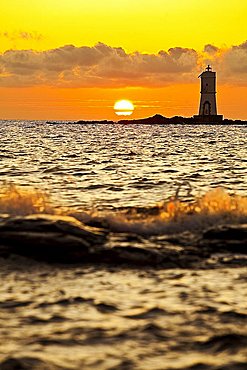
49	238
232	238
58	239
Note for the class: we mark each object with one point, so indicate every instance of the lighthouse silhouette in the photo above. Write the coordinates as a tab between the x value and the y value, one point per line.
208	107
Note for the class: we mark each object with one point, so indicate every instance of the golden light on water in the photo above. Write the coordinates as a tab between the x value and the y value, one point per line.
18	201
124	107
216	206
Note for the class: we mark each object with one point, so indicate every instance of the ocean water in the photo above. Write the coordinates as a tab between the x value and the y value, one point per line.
118	165
93	316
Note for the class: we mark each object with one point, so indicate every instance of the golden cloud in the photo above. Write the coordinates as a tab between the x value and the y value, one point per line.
106	66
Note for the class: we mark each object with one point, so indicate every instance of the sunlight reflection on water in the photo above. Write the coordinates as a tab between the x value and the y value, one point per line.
118	165
116	318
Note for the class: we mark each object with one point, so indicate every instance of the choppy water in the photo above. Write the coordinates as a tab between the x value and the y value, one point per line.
119	165
95	317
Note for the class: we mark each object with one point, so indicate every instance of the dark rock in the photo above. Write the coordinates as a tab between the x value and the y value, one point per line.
231	238
157	119
232	232
133	256
59	239
50	223
49	238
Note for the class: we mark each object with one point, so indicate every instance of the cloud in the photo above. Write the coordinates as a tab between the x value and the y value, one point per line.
236	59
22	35
210	49
230	63
100	65
106	66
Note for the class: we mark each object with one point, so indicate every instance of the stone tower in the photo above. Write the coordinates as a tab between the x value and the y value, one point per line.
208	107
208	93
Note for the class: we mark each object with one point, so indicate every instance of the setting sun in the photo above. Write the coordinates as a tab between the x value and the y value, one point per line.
124	108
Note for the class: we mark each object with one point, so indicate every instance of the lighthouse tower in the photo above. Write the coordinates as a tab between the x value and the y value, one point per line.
208	93
208	108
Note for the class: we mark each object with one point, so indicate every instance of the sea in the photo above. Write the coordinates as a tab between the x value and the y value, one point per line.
125	316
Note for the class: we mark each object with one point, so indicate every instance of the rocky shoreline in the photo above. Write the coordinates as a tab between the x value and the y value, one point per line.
63	239
158	119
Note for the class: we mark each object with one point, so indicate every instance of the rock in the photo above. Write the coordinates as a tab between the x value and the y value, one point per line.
50	223
134	256
134	250
232	238
50	238
229	232
58	239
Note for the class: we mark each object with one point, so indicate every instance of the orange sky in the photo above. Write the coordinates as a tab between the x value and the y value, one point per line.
73	60
95	104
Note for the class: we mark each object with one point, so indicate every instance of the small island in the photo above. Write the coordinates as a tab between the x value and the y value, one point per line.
158	119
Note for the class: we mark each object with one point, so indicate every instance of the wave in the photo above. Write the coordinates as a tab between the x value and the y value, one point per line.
170	216
171	234
18	201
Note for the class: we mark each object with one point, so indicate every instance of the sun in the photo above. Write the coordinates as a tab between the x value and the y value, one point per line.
124	107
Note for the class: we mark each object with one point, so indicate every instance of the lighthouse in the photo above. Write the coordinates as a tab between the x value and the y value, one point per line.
208	107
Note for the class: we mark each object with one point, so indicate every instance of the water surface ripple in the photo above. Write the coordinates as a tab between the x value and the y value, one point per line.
122	165
121	318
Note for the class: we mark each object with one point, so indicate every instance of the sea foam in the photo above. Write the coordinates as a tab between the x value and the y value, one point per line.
215	207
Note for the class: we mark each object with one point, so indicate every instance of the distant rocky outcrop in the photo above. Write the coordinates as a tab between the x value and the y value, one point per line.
158	119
